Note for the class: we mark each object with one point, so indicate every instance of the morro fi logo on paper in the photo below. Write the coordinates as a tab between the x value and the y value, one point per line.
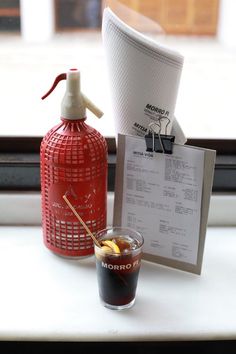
158	110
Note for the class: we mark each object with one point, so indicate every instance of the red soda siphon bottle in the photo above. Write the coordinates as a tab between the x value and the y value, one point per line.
73	162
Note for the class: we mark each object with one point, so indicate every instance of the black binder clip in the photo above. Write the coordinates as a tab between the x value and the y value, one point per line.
157	142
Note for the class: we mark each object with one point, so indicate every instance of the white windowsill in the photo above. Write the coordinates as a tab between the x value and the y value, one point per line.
49	298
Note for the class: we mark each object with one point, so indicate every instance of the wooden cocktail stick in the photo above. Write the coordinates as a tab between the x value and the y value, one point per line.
82	222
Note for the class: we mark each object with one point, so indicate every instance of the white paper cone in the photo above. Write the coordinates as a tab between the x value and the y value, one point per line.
144	78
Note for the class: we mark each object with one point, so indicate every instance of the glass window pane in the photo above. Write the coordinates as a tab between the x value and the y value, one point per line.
73	39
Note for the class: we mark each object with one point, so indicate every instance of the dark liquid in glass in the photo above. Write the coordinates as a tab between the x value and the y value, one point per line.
118	274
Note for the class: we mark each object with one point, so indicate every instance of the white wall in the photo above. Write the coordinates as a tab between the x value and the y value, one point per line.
24	208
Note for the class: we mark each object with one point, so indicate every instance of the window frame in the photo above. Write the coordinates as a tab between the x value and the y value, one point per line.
20	163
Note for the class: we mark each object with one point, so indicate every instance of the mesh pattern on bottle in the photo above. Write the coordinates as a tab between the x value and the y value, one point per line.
67	158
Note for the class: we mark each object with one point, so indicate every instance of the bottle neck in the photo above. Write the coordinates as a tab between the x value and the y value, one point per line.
65	120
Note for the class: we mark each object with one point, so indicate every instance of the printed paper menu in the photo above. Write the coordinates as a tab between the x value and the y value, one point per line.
162	197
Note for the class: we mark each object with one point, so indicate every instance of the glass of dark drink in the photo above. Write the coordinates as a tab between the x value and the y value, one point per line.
118	261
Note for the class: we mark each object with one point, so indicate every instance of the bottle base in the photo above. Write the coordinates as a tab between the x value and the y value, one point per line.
72	257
